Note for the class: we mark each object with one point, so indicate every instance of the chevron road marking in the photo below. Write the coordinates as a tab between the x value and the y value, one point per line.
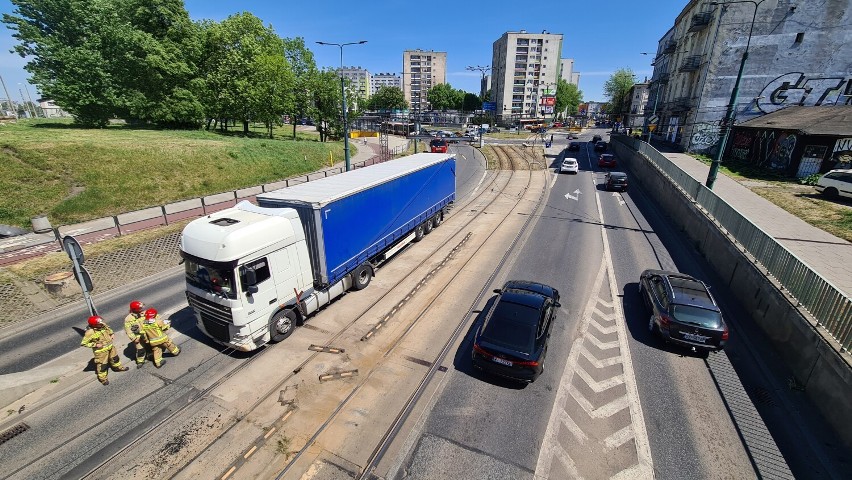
603	411
602	345
555	458
601	386
601	328
607	362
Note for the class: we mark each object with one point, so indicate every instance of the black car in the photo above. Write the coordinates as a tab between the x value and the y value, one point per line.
616	181
596	139
683	311
512	340
574	146
600	146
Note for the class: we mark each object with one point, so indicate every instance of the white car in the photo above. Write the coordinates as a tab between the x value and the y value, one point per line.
569	165
836	183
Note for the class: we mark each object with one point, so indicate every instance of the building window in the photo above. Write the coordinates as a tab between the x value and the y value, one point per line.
800	37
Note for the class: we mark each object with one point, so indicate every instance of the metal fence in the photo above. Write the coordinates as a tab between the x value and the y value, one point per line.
831	308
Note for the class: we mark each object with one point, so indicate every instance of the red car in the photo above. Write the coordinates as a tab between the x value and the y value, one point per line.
438	145
606	160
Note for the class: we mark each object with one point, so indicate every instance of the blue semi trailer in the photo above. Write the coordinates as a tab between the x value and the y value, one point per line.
254	272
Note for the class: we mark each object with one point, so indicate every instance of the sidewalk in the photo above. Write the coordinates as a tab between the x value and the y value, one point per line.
828	255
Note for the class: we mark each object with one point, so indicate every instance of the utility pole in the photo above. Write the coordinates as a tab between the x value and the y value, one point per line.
9	99
481	69
730	113
27	106
343	96
35	109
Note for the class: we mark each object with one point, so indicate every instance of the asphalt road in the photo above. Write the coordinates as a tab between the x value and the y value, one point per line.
681	407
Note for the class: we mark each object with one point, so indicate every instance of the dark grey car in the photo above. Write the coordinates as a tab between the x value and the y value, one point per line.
683	311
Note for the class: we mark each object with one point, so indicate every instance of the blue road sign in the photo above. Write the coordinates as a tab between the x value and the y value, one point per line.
489	106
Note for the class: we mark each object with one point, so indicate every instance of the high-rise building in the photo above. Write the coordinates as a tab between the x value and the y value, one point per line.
484	86
422	70
359	79
567	73
380	80
524	68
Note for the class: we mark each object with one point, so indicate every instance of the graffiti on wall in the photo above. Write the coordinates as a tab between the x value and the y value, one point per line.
767	149
796	88
842	154
705	135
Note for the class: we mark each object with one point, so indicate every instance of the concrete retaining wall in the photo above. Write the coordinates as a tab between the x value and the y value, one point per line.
823	372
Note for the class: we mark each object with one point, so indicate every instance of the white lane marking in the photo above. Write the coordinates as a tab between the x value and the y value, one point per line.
463	157
480	182
576	195
643	447
553	181
619	197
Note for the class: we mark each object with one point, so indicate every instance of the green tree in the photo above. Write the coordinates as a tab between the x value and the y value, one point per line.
68	45
617	88
471	102
234	50
304	69
388	98
568	97
325	110
275	81
442	97
158	67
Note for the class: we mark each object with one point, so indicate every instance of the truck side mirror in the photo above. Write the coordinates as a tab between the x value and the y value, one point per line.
252	289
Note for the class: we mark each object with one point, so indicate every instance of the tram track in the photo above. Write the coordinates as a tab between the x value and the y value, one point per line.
494	187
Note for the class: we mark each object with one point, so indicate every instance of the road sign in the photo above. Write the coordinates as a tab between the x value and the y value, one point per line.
87	279
489	106
73	249
653	119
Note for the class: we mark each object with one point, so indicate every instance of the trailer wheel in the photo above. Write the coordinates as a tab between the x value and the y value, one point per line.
361	276
429	225
282	325
418	233
439	218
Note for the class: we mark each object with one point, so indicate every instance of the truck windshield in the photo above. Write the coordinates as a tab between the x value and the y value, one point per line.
217	280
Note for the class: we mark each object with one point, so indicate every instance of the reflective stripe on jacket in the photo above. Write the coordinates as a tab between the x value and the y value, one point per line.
154	332
96	336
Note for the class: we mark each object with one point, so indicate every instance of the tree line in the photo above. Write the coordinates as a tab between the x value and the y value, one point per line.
146	61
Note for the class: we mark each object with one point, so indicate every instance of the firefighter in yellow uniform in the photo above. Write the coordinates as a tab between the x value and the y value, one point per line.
154	330
133	329
99	338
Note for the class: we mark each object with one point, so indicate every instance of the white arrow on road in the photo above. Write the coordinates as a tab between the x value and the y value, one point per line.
576	195
620	198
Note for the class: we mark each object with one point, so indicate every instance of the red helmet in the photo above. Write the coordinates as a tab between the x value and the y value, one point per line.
150	313
136	306
95	321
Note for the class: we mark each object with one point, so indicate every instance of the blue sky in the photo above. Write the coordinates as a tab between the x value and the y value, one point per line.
602	36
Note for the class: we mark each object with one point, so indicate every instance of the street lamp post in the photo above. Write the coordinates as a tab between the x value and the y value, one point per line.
729	114
343	96
654	112
481	69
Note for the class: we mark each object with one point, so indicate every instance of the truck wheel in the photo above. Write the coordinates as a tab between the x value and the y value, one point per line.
439	218
282	325
418	233
429	225
361	276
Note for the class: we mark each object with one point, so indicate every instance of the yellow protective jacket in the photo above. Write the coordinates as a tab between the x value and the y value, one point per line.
129	321
94	336
154	332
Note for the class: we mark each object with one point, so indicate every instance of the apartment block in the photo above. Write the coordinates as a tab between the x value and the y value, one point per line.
359	80
380	80
422	70
524	66
567	73
798	54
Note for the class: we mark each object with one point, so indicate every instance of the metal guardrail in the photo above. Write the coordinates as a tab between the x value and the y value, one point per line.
831	308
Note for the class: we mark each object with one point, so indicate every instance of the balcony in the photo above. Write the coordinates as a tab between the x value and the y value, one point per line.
690	63
670	47
700	21
664	78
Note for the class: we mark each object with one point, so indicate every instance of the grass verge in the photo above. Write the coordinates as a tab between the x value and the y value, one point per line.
73	174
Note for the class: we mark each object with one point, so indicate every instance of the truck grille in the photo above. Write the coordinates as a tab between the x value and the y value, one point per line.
215	318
